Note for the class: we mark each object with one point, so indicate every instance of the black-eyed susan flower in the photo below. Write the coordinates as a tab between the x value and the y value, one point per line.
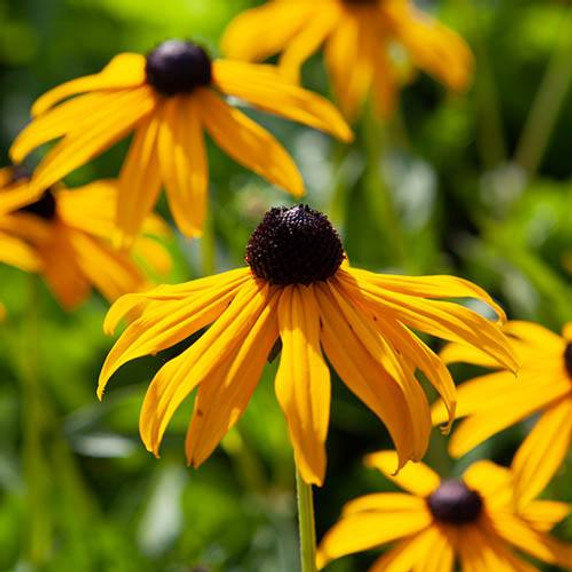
437	523
15	193
68	234
361	37
495	401
296	289
168	99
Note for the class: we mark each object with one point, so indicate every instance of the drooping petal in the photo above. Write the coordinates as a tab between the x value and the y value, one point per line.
364	531
543	451
463	353
439	318
528	398
265	88
261	32
303	380
183	161
417	478
99	130
163	325
402	373
365	376
538	544
178	377
351	73
248	143
139	181
123	71
385	502
223	397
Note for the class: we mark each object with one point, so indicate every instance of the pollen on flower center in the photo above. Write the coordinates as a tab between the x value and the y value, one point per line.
295	245
454	503
568	359
178	67
45	207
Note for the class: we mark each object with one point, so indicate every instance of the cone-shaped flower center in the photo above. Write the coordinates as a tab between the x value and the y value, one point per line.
295	245
178	67
568	359
45	207
454	503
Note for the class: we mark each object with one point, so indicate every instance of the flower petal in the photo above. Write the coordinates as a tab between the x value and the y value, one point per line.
543	451
123	71
417	478
492	481
544	515
17	253
222	398
365	376
163	325
364	531
102	128
139	181
535	335
303	381
183	160
463	353
178	377
265	88
248	143
384	502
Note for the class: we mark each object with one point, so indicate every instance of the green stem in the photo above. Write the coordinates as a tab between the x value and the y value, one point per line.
34	421
306	525
547	104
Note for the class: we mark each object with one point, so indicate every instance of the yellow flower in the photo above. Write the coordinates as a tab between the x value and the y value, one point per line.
67	233
168	98
360	37
471	520
298	291
15	193
496	401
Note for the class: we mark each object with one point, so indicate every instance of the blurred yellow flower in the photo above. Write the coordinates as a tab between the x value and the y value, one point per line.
361	37
471	520
168	98
298	292
67	234
495	401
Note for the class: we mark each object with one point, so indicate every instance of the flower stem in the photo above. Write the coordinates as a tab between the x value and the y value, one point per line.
306	525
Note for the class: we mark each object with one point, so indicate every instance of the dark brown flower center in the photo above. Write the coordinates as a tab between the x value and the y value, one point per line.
178	67
568	359
454	503
45	207
295	245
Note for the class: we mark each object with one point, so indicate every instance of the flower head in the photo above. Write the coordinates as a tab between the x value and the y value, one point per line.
495	401
359	37
168	99
297	289
471	520
66	234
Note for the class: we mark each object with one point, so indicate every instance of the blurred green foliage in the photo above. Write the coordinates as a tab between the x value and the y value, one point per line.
86	495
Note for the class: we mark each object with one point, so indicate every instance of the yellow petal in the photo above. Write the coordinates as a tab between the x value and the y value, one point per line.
303	381
139	181
178	377
102	128
17	253
223	397
384	502
364	531
534	335
493	482
163	325
248	143
457	353
183	161
260	32
365	376
417	478
15	196
123	71
365	329
543	451
544	515
265	88
442	319
60	121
